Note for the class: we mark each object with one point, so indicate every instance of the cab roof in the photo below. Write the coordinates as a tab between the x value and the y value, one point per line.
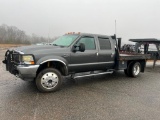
88	34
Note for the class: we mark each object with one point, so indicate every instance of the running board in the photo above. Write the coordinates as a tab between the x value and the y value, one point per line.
94	74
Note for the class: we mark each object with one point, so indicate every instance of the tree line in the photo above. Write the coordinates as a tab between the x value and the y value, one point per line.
13	35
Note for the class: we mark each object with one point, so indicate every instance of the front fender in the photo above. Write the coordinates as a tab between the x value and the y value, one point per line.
54	58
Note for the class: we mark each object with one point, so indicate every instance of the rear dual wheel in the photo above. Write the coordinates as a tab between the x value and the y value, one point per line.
133	69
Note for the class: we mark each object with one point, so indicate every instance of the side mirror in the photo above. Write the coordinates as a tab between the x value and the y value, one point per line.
81	47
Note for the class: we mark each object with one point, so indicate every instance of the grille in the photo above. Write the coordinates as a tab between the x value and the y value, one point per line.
16	58
12	59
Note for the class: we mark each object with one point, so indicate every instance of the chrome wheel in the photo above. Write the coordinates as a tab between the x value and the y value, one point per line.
136	69
49	80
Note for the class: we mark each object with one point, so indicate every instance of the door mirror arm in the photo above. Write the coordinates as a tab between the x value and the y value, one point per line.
74	48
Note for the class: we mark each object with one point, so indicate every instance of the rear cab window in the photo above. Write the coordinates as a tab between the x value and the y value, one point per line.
104	43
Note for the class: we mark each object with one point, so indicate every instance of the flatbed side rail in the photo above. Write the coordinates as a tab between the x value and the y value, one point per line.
134	57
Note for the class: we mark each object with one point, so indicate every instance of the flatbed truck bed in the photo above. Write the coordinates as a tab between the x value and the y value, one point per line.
133	56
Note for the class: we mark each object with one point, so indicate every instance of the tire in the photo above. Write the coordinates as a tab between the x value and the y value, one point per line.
49	80
128	70
135	69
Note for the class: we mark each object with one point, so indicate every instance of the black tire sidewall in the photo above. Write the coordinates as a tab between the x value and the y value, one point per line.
38	80
128	71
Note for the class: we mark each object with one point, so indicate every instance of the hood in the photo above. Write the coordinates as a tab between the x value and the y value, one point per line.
40	49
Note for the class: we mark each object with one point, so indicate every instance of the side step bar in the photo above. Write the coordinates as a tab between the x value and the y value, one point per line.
93	74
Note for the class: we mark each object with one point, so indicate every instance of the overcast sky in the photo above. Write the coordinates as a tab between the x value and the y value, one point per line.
135	18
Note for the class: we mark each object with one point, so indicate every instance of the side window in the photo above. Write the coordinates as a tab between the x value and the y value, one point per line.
104	43
89	43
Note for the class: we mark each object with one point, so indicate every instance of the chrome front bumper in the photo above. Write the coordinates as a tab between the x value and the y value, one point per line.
27	73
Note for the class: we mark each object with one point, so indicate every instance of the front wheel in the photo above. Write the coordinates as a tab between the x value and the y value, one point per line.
49	80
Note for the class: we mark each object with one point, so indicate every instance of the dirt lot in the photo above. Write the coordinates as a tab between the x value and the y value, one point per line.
110	97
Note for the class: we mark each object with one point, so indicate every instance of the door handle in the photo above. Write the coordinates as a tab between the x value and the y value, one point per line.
112	54
65	55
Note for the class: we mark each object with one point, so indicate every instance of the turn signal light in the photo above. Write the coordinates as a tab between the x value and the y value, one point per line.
32	62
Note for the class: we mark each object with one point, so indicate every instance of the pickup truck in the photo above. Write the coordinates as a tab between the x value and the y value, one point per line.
68	55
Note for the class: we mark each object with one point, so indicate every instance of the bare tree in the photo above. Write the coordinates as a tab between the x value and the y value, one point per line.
11	34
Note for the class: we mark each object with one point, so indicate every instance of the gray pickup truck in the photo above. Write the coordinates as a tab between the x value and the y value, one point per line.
68	55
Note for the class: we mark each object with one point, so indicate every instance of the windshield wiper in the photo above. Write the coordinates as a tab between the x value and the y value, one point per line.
58	45
55	44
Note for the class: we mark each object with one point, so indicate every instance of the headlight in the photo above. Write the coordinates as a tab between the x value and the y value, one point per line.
28	59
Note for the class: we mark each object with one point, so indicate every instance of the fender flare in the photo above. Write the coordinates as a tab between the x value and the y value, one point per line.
56	59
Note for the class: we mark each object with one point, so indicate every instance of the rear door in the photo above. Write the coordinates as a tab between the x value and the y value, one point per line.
106	54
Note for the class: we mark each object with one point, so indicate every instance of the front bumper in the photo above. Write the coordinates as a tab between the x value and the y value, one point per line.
27	73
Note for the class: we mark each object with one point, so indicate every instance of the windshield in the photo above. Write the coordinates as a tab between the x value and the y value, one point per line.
65	40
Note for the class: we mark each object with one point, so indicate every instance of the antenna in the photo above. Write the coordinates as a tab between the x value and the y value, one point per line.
48	34
48	38
115	27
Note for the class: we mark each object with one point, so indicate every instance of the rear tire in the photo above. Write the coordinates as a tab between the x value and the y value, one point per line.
126	72
49	80
135	69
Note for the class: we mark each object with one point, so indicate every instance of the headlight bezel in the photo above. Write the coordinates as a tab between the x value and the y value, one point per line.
28	62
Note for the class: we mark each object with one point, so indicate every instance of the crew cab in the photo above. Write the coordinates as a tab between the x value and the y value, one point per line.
68	55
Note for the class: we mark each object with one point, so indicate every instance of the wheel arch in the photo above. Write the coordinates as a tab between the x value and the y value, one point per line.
53	62
142	63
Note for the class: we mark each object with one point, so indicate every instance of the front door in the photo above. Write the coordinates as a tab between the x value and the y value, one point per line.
84	61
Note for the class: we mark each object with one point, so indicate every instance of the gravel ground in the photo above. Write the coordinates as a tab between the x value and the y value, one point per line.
109	97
